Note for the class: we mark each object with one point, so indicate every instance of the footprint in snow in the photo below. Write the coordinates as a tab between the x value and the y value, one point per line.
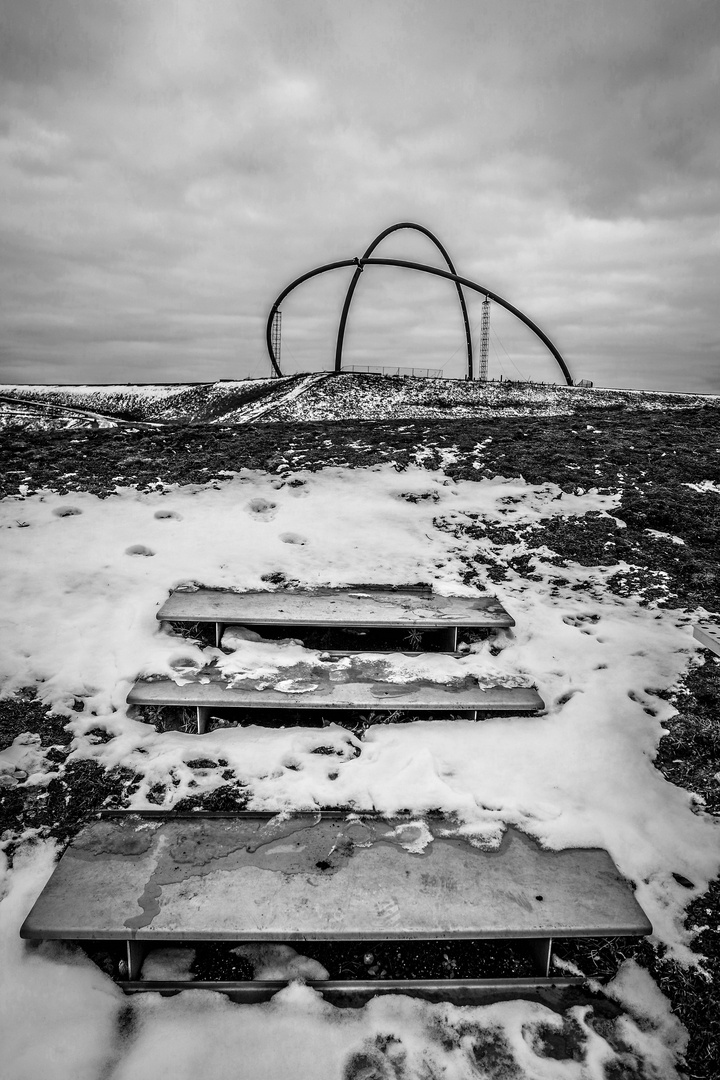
66	511
139	549
262	507
643	702
165	515
293	538
580	620
567	696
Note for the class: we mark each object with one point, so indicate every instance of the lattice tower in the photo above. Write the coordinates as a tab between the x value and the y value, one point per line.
277	334
484	339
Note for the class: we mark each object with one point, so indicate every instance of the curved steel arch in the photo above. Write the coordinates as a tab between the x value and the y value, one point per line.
466	282
356	277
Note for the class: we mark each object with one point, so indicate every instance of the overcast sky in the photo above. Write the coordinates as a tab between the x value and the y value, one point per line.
168	166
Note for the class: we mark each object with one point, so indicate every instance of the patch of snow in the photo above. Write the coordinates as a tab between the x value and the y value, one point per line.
170	964
414	836
281	962
58	1011
23	760
634	989
658	535
705	486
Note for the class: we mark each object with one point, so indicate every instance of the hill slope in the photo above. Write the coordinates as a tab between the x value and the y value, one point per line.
315	397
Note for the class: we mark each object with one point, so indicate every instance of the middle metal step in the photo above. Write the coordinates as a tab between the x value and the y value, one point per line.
321	688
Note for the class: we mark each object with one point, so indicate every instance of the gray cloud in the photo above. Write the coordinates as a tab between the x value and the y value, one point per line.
166	168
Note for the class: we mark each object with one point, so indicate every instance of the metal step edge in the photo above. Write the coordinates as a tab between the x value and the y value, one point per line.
354	994
334	814
500	623
189	612
195	695
498	937
708	634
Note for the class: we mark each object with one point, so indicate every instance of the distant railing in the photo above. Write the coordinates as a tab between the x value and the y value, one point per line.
380	369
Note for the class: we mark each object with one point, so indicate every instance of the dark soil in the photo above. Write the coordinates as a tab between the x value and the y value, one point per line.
385	960
24	713
364	640
689	753
62	808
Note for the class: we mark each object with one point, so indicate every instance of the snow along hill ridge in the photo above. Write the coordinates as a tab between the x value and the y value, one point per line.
312	397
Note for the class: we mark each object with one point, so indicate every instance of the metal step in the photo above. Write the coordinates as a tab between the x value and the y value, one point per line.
317	688
328	876
708	634
339	608
354	993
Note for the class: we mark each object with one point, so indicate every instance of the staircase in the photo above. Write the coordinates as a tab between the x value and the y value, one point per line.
132	883
358	680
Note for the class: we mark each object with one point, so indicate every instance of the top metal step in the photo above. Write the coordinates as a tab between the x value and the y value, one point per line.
389	608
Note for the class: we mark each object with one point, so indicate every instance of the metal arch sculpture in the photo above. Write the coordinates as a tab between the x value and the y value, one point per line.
450	274
356	277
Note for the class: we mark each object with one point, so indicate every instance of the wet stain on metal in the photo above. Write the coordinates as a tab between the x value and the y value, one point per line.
110	838
284	845
149	902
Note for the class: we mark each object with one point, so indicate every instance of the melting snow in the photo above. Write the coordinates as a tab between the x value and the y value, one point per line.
705	486
79	624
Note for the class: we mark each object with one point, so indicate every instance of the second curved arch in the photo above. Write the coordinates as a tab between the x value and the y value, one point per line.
356	277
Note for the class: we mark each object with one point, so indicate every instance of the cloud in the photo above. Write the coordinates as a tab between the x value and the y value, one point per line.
167	168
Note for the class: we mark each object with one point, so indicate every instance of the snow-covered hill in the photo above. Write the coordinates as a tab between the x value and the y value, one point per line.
311	397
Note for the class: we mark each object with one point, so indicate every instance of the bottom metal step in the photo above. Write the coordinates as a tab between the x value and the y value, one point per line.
356	993
132	883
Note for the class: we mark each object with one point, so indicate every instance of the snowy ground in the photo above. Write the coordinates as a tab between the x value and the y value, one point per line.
84	577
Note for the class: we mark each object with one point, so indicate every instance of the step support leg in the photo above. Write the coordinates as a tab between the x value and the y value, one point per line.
219	627
541	949
203	718
135	957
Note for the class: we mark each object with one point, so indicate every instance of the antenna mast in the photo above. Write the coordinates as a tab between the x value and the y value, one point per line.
484	339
